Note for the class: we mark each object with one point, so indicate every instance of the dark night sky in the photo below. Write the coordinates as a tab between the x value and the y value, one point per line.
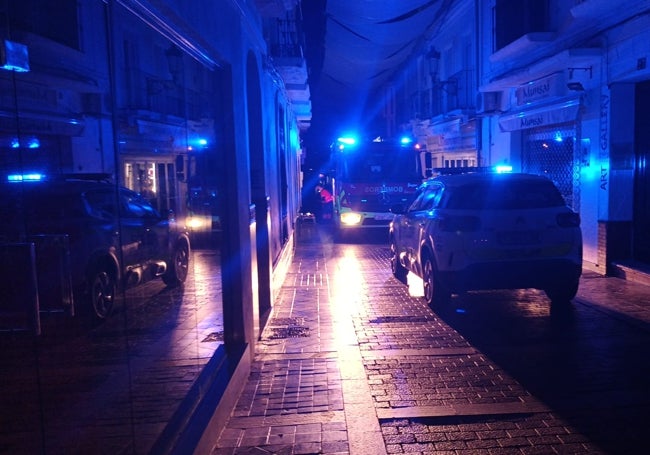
353	48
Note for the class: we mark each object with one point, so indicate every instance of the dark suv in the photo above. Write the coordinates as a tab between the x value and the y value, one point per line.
113	237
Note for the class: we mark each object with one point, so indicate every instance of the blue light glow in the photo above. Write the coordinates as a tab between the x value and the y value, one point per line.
347	140
503	169
32	177
405	140
33	143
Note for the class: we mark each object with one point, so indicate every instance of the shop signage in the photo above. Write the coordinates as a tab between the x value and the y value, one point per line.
548	115
541	89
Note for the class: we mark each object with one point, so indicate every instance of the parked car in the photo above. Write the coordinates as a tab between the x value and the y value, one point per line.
480	231
114	238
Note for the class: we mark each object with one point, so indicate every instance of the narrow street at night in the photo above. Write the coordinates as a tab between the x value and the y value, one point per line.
351	359
292	227
351	363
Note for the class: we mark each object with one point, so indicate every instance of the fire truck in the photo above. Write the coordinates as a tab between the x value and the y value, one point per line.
371	176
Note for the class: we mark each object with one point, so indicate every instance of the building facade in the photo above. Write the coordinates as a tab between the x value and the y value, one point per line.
556	88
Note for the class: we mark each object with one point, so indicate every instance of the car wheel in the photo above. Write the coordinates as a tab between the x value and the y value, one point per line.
102	294
396	267
435	293
178	267
564	292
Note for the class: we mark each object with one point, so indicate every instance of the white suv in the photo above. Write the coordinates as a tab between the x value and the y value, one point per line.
480	231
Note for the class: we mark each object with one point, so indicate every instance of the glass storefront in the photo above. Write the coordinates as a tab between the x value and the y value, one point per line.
94	315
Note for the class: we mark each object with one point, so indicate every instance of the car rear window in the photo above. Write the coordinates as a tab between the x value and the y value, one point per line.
505	195
40	204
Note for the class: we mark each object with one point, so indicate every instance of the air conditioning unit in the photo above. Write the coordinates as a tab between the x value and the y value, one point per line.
488	102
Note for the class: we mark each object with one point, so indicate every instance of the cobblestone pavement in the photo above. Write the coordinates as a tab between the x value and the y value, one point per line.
350	362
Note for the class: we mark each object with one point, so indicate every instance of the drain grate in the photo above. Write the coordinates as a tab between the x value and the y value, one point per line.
289	332
288	328
287	321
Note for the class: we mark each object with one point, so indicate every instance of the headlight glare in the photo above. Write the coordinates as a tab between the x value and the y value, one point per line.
350	218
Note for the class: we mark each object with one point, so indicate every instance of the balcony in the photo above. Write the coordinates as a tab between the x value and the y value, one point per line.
285	41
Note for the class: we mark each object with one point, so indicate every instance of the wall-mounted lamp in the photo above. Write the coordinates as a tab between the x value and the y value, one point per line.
575	86
174	58
175	63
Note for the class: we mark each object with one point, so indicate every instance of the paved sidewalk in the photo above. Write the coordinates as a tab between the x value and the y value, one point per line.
350	363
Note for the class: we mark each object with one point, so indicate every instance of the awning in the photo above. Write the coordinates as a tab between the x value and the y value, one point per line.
571	58
541	116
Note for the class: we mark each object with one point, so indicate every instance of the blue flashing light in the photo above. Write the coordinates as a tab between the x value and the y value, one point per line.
347	140
503	169
15	143
558	137
33	177
405	140
33	143
203	142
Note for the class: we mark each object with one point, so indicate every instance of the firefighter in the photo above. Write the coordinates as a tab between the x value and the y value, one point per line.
326	201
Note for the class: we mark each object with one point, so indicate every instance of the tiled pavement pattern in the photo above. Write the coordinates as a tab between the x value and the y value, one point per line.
350	363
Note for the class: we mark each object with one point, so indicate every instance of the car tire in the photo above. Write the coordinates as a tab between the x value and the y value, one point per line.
563	292
178	266
102	293
399	271
435	293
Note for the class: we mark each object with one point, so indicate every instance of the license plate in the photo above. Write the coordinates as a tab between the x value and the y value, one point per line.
384	216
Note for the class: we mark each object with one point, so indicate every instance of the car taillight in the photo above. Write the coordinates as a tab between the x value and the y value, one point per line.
568	219
460	223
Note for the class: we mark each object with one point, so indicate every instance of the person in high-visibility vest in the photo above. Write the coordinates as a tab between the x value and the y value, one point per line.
326	200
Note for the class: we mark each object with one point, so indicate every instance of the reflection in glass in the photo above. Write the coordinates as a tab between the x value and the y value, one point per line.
112	365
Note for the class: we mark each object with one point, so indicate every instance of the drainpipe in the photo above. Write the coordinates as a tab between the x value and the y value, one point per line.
479	124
